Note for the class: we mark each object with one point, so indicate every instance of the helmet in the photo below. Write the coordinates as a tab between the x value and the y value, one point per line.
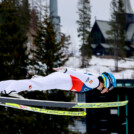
109	80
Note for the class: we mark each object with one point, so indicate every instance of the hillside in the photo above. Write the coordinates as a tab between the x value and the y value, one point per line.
98	65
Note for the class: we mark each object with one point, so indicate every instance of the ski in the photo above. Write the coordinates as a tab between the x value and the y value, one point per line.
46	103
44	111
101	105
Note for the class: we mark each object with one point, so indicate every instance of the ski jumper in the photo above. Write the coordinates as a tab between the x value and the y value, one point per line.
71	81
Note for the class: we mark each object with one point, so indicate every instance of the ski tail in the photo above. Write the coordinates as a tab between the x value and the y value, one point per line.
44	111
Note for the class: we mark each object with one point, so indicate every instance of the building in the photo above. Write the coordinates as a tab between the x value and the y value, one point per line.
99	34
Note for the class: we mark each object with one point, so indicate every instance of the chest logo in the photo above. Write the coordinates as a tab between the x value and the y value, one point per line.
91	81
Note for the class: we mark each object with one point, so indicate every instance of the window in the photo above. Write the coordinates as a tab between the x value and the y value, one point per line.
128	84
119	85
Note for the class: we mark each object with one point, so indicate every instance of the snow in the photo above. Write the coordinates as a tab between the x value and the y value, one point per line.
98	65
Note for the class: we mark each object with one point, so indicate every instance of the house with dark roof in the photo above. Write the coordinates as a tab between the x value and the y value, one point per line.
99	34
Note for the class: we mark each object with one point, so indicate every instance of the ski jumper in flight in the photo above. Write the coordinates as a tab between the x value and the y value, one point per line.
63	79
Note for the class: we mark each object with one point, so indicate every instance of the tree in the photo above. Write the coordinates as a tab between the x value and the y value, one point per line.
47	50
12	43
49	53
117	31
84	30
34	19
13	62
24	13
13	65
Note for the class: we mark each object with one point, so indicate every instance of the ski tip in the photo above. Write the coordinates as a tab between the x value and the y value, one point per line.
101	104
82	113
126	102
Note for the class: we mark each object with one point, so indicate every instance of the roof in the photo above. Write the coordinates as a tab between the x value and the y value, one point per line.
108	46
104	45
128	8
104	27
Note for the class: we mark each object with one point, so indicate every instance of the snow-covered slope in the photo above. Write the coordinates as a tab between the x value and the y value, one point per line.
98	65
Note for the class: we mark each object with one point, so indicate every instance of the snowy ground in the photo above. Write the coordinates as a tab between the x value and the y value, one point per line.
99	65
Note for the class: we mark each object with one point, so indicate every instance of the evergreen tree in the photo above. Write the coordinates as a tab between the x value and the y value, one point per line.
117	31
12	39
25	14
49	53
13	63
47	49
13	66
84	30
34	19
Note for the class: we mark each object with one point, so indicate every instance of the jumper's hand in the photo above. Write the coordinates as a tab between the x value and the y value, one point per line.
60	69
104	91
